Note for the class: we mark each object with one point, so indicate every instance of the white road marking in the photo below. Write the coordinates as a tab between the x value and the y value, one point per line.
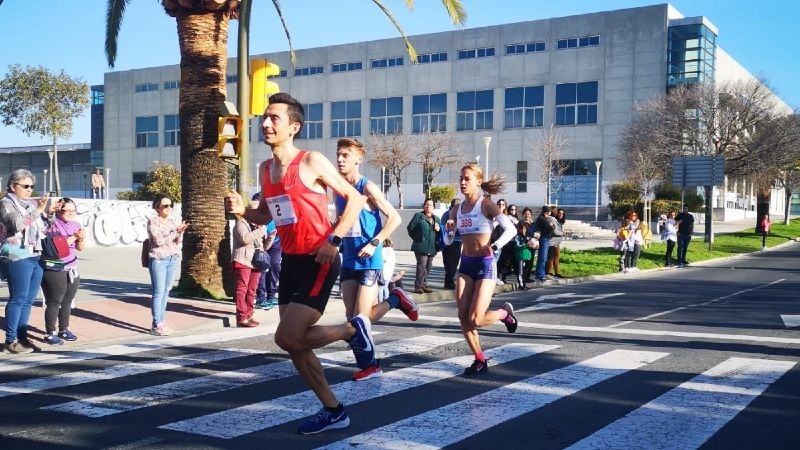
123	370
542	298
258	416
542	306
221	381
790	321
52	358
634	331
458	421
688	415
709	302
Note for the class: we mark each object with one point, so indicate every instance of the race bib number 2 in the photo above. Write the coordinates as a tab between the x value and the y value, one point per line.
281	209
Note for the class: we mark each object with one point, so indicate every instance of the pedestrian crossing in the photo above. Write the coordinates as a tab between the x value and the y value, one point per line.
527	375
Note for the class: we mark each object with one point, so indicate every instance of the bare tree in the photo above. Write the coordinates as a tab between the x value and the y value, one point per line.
547	154
435	151
394	153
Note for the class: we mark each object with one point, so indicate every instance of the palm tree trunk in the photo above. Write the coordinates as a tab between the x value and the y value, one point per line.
203	40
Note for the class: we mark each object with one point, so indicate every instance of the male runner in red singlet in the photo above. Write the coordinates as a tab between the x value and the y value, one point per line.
294	195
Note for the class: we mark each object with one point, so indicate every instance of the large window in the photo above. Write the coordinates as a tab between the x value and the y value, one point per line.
312	127
524	107
691	54
427	58
429	113
386	62
474	110
304	71
346	67
386	115
528	47
138	180
522	176
175	84
577	42
574	182
172	130
146	87
471	53
576	103
346	119
147	131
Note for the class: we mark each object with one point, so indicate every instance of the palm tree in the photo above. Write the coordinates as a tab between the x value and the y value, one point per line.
203	40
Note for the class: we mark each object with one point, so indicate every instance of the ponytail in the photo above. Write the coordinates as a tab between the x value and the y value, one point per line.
494	185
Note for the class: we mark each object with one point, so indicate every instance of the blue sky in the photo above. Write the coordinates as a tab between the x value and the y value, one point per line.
70	35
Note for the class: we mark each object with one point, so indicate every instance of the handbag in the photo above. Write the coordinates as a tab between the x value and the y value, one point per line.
261	260
146	253
55	246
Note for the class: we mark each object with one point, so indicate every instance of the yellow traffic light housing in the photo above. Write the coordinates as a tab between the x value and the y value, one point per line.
261	88
229	140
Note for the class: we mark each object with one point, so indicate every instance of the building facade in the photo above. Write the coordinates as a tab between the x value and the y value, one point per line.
580	75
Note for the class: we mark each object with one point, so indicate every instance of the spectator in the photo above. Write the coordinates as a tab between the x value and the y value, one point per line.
669	234
527	216
506	263
512	214
763	226
247	238
61	280
98	184
166	237
554	253
267	292
522	247
450	253
392	278
22	229
685	223
635	241
423	230
545	228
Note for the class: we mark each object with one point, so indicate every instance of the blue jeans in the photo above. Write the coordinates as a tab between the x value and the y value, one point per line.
24	278
541	261
683	245
162	275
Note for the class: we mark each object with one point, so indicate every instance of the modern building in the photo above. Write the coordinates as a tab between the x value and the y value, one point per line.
74	166
580	74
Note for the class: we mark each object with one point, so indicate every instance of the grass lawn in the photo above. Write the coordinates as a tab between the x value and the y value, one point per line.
606	260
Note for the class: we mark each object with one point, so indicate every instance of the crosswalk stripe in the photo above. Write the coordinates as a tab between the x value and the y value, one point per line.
53	358
725	337
688	415
461	420
220	381
123	370
266	414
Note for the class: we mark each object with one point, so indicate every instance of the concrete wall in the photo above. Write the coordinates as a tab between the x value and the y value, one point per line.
114	222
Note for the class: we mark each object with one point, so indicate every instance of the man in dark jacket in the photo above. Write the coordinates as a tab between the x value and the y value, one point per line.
685	223
545	229
423	230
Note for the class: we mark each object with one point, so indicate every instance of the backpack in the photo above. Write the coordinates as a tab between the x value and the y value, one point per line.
146	253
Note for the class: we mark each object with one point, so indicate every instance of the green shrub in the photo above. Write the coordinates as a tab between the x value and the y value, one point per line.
161	179
623	197
443	193
666	191
128	195
659	207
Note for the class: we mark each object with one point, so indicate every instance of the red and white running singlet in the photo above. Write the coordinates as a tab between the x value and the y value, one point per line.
300	214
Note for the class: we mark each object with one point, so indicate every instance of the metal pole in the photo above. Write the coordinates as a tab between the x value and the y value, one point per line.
50	154
44	190
107	183
243	95
597	189
486	141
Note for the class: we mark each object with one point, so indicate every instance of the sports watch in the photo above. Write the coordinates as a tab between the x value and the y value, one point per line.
335	240
375	242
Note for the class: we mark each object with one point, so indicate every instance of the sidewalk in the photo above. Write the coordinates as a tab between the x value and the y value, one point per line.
113	302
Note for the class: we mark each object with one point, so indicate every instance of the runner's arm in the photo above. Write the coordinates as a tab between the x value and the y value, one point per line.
393	219
329	176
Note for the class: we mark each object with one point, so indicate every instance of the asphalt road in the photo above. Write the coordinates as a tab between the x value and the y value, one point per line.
676	359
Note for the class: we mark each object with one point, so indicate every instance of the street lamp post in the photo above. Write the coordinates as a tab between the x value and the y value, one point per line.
85	192
486	141
44	189
107	182
597	165
50	183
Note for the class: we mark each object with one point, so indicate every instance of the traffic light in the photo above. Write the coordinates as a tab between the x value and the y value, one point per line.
229	140
261	88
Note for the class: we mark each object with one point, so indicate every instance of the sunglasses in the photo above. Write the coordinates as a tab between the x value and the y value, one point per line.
69	210
26	186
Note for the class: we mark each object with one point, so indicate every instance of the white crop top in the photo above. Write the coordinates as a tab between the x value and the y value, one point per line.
473	222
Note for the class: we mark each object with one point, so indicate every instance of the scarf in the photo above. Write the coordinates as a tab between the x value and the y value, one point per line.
32	235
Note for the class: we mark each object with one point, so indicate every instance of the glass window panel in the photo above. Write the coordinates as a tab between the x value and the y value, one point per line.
539	117
465	101
354	109
439	103
587	92
514	97
528	118
484	100
377	107
540	46
592	114
594	40
417	123
566	93
338	110
534	96
314	111
490	51
509	118
583	42
461	121
572	42
357	128
561	44
420	104
394	106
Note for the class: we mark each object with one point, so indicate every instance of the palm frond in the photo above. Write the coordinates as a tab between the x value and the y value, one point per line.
458	15
293	56
412	53
114	13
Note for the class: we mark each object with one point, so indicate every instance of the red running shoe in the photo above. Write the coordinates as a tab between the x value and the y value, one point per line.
374	370
407	304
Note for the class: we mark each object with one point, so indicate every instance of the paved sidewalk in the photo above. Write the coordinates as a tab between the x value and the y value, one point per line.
113	302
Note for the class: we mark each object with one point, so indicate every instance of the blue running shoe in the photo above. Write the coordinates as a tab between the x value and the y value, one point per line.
325	420
361	342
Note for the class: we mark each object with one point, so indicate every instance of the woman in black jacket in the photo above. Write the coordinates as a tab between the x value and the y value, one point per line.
423	231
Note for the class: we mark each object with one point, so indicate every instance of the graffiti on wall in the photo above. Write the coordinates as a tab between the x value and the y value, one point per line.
115	222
